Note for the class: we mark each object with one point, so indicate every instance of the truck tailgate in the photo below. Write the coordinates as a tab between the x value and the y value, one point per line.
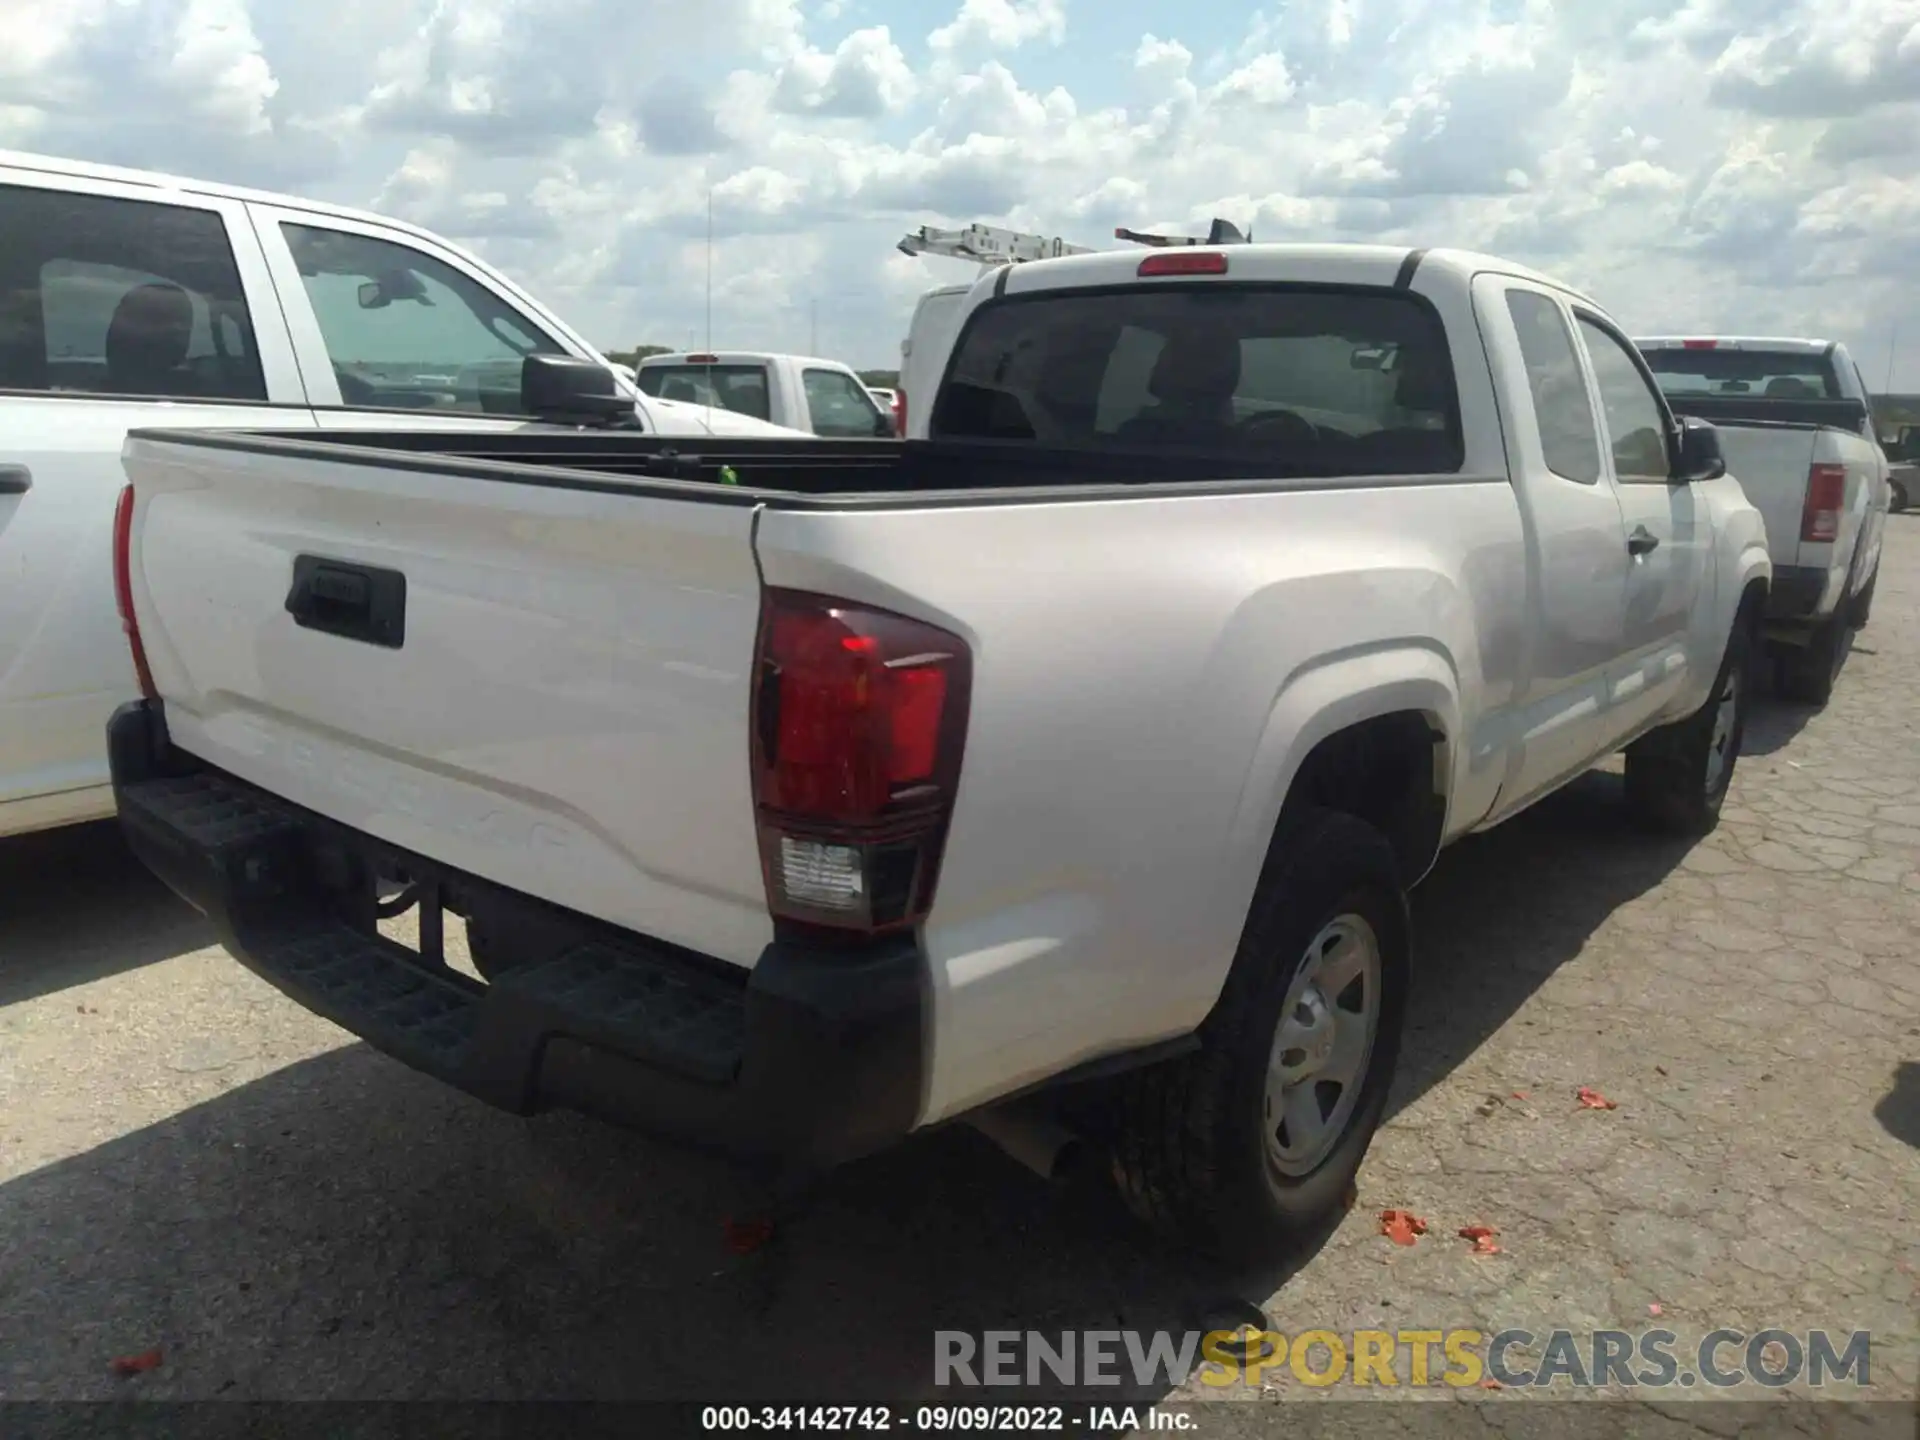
554	698
1771	464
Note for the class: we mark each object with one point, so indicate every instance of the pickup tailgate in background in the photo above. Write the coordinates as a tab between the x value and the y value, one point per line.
555	697
1772	463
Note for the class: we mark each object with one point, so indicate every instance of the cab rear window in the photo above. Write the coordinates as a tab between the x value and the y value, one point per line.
1765	374
1323	381
739	388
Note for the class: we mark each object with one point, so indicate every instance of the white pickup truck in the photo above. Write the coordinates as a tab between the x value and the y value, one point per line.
1796	427
799	392
799	796
129	298
1903	475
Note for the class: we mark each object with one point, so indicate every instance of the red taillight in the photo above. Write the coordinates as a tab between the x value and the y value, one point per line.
860	716
1699	344
123	589
1826	497
900	412
703	359
1184	262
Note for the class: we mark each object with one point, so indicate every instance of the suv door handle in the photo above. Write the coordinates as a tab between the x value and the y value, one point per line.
1641	540
15	479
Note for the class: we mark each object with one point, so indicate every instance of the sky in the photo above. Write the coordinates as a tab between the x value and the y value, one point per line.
1747	166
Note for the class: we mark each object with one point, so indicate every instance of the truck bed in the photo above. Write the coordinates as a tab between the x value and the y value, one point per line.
1773	447
1847	415
775	472
530	660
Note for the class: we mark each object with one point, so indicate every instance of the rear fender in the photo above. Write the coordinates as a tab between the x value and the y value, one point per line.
1330	695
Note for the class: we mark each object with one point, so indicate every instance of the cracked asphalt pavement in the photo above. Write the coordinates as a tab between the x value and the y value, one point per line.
190	1162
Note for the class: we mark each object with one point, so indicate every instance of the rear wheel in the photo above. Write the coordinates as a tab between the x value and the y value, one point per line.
1677	777
1860	609
1899	499
1250	1144
1806	672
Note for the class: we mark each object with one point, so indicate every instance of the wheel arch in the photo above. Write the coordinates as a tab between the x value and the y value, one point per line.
1374	733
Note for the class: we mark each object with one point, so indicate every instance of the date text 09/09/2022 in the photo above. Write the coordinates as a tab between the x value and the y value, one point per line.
941	1419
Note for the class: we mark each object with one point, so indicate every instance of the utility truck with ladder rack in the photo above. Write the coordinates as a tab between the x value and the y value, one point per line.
930	333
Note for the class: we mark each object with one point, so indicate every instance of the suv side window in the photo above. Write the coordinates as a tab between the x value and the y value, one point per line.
103	296
405	331
1636	420
839	406
1568	435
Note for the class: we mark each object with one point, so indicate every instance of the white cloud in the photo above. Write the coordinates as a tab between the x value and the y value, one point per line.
866	76
1691	162
1001	25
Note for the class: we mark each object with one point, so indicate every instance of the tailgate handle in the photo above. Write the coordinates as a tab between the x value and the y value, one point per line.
355	602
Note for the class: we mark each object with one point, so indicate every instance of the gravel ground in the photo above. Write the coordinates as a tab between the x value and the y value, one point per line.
190	1162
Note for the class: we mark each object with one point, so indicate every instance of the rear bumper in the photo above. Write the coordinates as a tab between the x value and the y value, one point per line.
813	1058
1797	593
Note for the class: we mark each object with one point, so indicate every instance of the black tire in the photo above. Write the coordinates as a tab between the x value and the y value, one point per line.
1191	1156
1860	608
1805	673
1674	785
1898	500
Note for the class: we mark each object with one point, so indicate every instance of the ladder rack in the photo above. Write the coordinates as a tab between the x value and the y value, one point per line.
987	245
990	247
1219	233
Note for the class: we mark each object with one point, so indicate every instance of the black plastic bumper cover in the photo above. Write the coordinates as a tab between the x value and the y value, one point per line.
1795	592
813	1058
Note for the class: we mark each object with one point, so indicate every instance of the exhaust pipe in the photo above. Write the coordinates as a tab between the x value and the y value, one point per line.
1033	1138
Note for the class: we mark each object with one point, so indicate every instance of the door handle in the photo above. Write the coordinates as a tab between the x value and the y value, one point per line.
355	602
1641	540
15	479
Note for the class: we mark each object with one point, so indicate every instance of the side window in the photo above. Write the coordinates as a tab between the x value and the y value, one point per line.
405	331
1568	434
103	296
1636	423
838	405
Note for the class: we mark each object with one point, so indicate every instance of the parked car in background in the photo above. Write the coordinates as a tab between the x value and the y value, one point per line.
134	299
1796	426
852	791
800	392
1903	474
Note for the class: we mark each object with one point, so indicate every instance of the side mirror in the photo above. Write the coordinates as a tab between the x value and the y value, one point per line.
373	296
566	391
1697	454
